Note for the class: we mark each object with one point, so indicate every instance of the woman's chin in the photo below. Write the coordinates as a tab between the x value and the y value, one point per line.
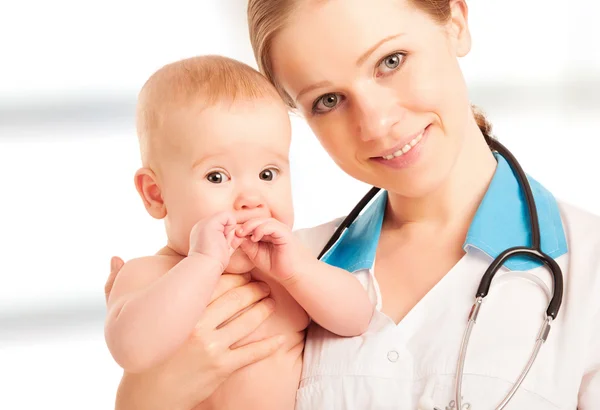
239	263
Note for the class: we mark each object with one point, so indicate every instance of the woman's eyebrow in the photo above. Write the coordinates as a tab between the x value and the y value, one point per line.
370	51
312	87
359	62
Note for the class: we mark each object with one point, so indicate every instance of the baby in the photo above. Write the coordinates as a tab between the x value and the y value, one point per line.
214	138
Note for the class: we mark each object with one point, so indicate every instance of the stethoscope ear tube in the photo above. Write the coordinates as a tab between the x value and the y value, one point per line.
534	225
349	219
534	251
488	276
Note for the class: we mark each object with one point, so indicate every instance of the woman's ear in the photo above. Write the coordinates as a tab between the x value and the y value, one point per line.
149	190
459	27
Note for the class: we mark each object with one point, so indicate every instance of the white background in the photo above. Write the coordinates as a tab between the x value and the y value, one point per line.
69	74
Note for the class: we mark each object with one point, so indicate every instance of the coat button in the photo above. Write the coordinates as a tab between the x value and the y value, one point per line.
393	356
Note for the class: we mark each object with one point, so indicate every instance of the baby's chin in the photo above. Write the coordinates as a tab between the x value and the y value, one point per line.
239	263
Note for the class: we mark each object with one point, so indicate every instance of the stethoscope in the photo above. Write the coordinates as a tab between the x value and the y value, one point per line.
534	251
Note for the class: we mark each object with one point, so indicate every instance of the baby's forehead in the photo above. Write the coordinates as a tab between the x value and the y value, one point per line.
239	159
260	122
249	150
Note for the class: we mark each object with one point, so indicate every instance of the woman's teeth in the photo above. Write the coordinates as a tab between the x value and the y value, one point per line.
405	148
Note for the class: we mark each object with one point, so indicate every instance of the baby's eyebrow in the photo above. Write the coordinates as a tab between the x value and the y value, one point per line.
202	160
206	156
281	157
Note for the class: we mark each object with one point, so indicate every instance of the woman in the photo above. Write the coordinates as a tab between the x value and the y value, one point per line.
379	83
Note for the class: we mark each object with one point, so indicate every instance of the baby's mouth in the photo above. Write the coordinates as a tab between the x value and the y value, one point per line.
244	215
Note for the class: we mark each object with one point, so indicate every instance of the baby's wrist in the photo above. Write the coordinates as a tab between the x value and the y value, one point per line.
207	260
300	272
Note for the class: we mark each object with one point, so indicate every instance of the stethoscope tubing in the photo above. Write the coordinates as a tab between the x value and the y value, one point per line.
532	251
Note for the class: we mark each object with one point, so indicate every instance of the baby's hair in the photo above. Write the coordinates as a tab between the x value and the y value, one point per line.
205	80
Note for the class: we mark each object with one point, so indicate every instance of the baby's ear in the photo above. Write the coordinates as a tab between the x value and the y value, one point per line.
147	186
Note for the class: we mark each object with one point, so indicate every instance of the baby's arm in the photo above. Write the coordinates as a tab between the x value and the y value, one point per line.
154	305
332	297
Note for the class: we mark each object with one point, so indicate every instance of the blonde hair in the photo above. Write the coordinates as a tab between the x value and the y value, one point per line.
267	17
207	80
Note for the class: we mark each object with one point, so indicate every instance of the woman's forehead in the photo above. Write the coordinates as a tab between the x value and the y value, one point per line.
351	26
320	37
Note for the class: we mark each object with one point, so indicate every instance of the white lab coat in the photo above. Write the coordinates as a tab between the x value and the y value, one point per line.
412	365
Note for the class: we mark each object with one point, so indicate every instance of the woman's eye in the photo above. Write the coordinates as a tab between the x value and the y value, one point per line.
217	177
326	102
269	174
391	63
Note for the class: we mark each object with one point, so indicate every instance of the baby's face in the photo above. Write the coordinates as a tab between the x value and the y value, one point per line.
226	158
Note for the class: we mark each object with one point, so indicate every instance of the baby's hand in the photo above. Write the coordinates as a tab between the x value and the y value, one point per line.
271	246
215	237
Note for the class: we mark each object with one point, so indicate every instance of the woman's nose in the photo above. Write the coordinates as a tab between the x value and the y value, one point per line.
376	114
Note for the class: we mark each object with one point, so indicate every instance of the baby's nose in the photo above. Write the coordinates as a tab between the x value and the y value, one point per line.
250	205
248	201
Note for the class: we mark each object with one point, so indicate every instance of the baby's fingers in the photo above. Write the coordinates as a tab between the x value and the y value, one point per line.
225	221
232	239
235	242
249	248
270	231
249	226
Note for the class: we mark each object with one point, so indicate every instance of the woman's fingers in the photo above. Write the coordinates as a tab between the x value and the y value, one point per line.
231	303
229	281
252	352
246	323
116	264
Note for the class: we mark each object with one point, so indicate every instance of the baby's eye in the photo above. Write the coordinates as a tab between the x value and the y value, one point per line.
269	174
217	177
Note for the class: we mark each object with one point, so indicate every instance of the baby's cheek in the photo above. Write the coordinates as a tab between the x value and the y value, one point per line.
286	216
282	209
178	233
181	220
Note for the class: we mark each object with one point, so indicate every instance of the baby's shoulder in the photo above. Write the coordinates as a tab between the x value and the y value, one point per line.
155	265
139	273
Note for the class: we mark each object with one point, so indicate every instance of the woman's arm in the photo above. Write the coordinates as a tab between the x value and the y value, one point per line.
205	360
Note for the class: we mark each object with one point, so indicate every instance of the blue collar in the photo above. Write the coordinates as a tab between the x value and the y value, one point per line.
501	222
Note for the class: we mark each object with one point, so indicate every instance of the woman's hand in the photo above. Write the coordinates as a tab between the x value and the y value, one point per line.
206	360
116	264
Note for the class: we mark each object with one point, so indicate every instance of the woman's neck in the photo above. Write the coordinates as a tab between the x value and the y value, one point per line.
455	202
